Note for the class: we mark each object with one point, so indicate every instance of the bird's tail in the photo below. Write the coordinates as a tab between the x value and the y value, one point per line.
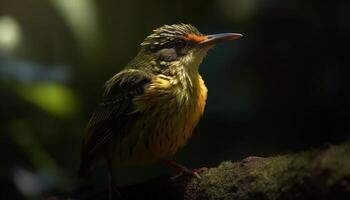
83	169
86	166
87	163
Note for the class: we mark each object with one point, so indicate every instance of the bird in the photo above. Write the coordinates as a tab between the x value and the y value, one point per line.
150	108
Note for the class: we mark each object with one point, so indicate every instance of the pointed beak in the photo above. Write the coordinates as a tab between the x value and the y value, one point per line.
218	38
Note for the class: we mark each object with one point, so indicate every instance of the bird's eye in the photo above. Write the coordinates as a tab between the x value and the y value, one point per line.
179	44
181	47
168	54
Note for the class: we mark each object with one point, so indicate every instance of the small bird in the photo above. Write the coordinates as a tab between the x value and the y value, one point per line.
150	108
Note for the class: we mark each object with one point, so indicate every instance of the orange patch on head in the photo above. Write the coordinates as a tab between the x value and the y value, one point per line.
195	38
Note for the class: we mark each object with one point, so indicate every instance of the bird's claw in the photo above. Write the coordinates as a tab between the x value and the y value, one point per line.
193	173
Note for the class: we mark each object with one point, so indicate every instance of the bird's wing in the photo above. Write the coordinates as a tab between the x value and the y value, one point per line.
114	112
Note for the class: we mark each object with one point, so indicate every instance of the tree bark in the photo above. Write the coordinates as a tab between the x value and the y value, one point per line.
314	174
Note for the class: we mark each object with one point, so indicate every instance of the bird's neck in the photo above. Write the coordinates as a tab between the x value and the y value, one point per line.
187	73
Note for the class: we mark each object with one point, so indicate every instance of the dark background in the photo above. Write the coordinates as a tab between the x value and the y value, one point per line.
282	88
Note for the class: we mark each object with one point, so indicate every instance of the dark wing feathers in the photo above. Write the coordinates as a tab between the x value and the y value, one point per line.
112	113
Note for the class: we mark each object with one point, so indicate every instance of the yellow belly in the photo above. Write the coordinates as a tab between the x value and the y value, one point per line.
166	124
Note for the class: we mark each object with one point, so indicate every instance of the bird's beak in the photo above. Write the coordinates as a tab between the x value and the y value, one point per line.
218	38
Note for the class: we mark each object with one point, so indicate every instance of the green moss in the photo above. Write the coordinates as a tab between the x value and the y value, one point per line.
218	183
280	177
336	161
279	174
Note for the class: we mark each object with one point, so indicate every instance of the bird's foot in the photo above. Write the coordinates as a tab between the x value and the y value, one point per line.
188	172
182	170
114	193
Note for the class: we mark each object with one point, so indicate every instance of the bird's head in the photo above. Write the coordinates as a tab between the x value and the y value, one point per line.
171	48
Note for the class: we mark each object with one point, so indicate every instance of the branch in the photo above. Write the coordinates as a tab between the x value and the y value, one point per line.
315	174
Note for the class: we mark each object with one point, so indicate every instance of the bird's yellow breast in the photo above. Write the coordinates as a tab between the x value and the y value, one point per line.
169	115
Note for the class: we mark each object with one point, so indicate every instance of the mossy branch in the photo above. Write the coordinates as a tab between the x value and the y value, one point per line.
315	174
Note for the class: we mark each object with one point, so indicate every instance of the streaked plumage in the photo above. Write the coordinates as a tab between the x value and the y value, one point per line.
150	108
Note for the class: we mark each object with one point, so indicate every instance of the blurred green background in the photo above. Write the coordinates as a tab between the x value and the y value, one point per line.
283	88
